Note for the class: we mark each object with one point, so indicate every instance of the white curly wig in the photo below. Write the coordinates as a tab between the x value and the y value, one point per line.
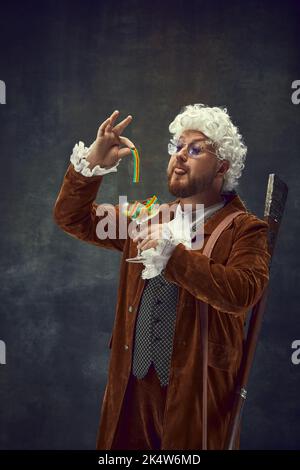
216	124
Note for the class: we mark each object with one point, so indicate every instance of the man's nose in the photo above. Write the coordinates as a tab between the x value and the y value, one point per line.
182	155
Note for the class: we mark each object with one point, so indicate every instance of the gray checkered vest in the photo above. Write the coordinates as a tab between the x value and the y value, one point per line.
155	327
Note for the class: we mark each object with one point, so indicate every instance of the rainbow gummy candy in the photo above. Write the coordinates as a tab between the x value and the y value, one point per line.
150	202
136	168
136	208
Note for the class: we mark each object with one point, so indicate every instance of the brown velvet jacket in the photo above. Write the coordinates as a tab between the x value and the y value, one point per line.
231	281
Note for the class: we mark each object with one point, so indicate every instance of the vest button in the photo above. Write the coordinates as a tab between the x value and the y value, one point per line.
130	308
126	346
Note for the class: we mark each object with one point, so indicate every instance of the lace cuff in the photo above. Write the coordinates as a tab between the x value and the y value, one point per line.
78	158
173	239
157	258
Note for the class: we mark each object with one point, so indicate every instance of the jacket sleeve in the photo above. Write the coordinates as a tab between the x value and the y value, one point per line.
235	287
75	210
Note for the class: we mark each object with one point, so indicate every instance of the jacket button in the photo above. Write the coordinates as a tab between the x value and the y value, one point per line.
126	346
130	308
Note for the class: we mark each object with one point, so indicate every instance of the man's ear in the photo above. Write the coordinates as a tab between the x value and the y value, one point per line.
224	167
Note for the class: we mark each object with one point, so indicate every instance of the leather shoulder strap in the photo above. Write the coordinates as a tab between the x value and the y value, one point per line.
217	232
203	310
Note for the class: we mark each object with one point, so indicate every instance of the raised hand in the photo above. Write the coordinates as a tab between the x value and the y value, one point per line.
106	149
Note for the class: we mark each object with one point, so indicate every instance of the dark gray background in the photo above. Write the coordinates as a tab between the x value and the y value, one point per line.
67	66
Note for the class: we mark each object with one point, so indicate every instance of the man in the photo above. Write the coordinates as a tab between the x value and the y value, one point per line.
153	395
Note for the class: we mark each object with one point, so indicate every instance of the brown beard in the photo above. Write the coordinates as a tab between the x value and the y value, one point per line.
192	187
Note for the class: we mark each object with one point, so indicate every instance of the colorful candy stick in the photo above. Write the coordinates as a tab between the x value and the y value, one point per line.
150	202
136	168
133	209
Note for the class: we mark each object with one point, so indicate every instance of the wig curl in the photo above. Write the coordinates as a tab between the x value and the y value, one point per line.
215	123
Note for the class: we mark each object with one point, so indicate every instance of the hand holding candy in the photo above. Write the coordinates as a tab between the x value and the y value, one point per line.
106	149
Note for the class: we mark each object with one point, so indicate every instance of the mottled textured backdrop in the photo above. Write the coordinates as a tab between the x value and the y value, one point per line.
67	66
